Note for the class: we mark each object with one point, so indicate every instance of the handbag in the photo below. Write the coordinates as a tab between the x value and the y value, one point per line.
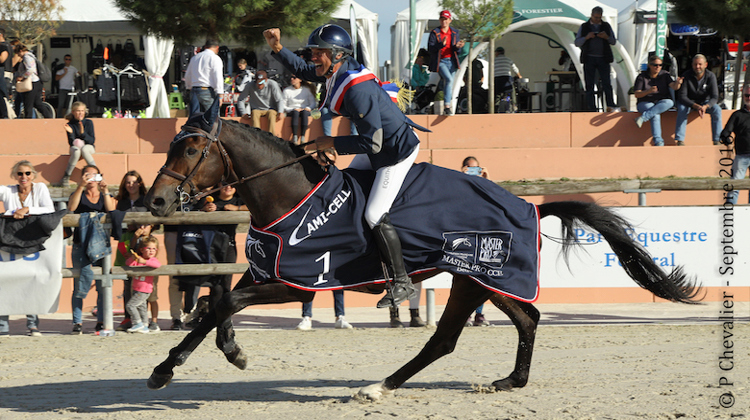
24	85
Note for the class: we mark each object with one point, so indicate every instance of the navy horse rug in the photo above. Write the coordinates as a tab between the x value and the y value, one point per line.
446	220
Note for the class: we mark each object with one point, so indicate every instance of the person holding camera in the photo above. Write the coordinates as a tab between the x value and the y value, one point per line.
89	247
81	138
595	39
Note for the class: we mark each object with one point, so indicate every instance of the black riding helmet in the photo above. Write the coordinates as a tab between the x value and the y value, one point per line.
331	37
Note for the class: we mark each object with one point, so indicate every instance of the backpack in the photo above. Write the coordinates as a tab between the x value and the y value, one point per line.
43	71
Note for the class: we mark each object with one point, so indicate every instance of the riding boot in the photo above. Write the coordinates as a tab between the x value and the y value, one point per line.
416	320
390	251
395	318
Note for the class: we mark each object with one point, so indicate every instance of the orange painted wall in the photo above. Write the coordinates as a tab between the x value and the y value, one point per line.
511	146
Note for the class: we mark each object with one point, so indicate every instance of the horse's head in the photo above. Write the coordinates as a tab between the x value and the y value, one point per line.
194	163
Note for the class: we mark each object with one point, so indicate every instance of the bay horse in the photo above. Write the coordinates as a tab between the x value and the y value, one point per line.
273	176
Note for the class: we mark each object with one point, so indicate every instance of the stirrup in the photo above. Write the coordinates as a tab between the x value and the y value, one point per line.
403	292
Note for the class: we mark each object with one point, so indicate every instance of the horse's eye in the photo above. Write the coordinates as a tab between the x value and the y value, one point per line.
191	151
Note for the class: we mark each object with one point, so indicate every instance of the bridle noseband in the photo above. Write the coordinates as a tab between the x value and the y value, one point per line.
211	137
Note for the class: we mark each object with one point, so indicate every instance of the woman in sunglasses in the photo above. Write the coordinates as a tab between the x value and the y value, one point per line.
26	197
652	89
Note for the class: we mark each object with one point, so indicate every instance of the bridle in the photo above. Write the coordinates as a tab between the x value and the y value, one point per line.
213	137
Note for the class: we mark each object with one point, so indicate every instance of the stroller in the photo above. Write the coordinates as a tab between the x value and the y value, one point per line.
424	96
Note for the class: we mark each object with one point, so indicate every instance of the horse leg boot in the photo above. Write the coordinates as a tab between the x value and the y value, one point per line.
390	250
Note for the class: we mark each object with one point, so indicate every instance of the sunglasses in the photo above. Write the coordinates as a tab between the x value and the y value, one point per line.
27	173
656	65
746	96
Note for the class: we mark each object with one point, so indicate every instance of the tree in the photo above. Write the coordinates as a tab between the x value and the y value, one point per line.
480	20
30	21
242	20
729	17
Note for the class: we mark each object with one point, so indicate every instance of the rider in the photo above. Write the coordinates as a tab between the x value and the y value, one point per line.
386	141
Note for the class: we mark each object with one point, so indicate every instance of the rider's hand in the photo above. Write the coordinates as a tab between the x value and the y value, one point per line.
273	38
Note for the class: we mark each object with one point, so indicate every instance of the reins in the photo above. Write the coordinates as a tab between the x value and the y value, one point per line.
212	137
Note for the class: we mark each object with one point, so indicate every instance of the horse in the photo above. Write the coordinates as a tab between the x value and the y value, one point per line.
273	176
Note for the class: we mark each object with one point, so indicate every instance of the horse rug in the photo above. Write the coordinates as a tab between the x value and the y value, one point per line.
445	219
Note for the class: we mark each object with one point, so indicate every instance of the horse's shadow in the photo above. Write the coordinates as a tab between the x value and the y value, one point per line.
131	395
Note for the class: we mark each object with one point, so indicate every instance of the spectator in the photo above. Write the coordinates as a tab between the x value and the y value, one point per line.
26	197
416	320
699	92
299	100
595	39
67	79
505	71
654	97
33	98
241	80
265	99
479	95
471	166
739	124
419	73
205	77
6	66
130	199
81	139
443	45
90	242
226	199
338	310
143	286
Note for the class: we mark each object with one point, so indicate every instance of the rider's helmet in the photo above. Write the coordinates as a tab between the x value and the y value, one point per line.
331	37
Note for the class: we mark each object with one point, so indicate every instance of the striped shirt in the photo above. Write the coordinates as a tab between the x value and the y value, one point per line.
504	66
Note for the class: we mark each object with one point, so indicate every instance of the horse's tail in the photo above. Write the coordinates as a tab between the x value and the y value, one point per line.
636	261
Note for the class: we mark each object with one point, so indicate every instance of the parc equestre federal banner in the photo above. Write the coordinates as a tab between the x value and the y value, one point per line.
711	242
30	284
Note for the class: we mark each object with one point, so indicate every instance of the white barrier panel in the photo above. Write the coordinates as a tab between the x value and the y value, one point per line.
708	241
30	284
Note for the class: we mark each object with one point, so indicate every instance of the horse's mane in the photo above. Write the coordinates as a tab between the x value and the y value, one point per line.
249	133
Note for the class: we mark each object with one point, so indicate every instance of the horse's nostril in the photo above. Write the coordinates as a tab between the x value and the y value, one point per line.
158	202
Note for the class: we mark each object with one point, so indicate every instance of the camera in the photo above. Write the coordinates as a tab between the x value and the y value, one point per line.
474	170
97	178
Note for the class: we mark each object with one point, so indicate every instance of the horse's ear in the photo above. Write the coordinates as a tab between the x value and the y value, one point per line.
212	113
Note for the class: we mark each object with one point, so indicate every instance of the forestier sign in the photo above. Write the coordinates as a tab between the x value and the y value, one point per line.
30	284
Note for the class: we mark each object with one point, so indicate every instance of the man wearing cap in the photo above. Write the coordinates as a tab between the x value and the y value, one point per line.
505	69
443	46
265	100
595	39
205	77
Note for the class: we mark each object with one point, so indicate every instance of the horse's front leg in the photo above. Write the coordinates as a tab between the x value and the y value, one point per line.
465	297
525	317
242	297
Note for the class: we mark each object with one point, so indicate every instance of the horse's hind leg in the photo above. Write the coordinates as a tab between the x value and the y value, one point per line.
525	317
465	297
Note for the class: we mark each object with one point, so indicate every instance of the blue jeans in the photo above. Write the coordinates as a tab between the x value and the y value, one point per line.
326	119
651	111
447	70
82	285
682	114
32	321
739	167
338	305
590	68
201	99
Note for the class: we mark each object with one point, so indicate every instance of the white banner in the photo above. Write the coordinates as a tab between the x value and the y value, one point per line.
708	241
30	284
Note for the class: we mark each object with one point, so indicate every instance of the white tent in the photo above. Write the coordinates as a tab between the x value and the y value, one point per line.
367	31
539	29
637	38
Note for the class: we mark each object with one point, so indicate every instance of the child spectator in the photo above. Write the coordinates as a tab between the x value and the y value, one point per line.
142	285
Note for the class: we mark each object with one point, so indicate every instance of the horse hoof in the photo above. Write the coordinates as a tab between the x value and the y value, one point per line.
506	384
159	380
238	358
373	392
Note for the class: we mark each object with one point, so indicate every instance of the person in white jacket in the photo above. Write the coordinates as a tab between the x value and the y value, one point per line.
299	100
